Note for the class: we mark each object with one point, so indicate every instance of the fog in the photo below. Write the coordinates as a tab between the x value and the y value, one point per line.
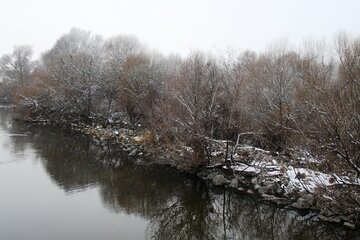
178	26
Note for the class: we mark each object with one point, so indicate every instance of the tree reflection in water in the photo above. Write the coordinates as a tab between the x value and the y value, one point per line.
177	206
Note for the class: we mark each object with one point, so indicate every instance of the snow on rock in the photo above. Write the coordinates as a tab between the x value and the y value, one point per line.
252	148
219	180
243	168
217	153
298	179
307	179
137	138
277	175
188	149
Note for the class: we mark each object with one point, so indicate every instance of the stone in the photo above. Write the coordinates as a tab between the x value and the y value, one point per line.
336	219
301	204
240	178
234	183
349	225
279	189
267	196
220	180
324	218
309	198
133	152
267	183
263	190
274	199
289	188
249	192
188	183
211	176
344	218
324	211
257	186
254	180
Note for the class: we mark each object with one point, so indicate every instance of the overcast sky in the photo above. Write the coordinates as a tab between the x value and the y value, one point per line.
178	26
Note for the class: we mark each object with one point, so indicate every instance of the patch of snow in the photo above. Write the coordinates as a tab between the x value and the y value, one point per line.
138	138
269	167
293	178
216	153
188	149
274	173
307	179
244	168
261	150
252	148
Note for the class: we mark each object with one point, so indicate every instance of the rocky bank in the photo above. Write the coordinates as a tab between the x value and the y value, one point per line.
288	180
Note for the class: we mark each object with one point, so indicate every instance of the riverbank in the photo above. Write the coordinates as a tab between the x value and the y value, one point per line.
163	202
291	180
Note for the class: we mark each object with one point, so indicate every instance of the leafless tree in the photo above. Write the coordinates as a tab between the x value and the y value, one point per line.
18	65
75	64
115	52
191	109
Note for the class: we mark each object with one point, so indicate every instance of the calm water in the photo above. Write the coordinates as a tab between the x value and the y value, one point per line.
55	184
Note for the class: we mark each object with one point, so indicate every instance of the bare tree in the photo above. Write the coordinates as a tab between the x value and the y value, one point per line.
191	109
17	66
272	90
115	52
340	117
75	63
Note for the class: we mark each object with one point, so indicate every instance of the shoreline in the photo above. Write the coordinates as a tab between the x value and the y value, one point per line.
266	183
283	180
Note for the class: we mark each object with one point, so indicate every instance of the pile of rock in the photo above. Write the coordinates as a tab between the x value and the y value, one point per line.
279	183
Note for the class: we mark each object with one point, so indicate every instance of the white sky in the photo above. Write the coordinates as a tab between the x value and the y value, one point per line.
178	26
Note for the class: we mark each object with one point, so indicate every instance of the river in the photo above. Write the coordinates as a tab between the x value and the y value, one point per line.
55	184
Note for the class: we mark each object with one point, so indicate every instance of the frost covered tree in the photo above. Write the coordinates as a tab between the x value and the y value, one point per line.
115	52
190	111
279	98
237	83
74	64
18	65
340	113
272	81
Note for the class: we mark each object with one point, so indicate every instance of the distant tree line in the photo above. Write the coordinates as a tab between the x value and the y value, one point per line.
280	98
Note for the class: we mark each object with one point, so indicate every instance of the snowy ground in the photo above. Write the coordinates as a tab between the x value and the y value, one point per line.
292	178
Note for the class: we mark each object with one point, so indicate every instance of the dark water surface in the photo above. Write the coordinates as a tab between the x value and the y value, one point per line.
54	184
